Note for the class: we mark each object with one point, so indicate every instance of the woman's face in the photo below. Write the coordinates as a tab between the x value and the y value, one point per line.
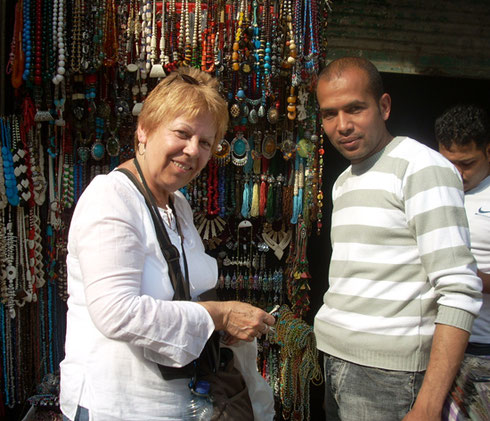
176	152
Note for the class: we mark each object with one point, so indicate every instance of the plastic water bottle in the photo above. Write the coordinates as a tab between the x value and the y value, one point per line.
200	407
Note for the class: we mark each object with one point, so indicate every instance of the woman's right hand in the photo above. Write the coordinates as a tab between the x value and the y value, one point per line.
241	321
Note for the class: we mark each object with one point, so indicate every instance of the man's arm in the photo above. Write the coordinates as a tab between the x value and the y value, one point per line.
447	352
485	279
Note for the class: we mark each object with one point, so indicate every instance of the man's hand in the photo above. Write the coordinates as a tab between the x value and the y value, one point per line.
447	352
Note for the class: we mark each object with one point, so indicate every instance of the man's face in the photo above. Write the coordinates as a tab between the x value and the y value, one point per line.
472	163
351	117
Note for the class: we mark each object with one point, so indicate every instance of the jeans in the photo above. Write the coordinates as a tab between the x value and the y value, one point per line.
358	393
81	415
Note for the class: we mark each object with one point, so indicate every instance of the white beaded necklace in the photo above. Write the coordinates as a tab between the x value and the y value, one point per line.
58	38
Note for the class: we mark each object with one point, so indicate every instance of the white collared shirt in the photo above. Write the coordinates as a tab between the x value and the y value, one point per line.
120	318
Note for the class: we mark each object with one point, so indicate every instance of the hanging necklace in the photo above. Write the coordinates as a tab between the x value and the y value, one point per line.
27	38
145	38
76	43
157	67
8	164
239	150
164	58
222	152
59	40
277	240
110	40
319	197
208	60
182	34
173	41
17	58
238	35
196	35
20	159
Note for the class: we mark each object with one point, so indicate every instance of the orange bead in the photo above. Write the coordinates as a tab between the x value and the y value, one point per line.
235	67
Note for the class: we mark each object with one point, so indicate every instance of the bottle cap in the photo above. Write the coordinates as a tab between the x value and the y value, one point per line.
202	387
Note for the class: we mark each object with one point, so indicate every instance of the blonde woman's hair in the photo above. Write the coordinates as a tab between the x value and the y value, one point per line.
186	91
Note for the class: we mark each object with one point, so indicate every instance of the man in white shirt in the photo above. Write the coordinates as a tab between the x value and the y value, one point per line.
463	134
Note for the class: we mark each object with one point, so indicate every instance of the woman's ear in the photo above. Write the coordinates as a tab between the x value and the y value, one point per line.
141	135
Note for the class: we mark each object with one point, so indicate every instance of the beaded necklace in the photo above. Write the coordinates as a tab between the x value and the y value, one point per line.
20	159
37	79
299	363
122	38
163	45
130	34
319	197
3	193
209	45
212	193
36	153
187	56
310	47
98	11
182	34
145	38
11	263
238	33
172	36
110	39
89	36
16	62
157	69
59	40
8	164
196	35
76	37
3	258
299	183
27	39
3	184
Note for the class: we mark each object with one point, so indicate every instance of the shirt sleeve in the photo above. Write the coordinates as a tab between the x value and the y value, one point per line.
108	237
434	207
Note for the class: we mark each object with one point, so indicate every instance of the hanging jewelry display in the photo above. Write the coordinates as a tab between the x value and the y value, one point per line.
239	150
299	364
82	70
269	146
222	152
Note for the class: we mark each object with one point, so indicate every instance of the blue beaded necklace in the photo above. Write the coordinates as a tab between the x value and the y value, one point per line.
8	164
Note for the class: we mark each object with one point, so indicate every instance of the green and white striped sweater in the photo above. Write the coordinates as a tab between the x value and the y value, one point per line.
400	260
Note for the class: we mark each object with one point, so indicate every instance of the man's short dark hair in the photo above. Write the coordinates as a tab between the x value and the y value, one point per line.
461	125
336	67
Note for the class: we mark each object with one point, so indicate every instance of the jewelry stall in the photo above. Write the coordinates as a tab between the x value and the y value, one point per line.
79	72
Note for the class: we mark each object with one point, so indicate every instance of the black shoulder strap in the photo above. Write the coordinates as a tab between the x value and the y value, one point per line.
170	252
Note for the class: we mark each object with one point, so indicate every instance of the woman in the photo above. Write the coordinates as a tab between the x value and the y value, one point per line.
121	319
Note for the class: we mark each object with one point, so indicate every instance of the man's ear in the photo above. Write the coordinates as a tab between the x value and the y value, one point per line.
487	150
141	135
385	106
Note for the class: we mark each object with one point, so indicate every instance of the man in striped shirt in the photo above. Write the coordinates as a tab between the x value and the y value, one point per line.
403	292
